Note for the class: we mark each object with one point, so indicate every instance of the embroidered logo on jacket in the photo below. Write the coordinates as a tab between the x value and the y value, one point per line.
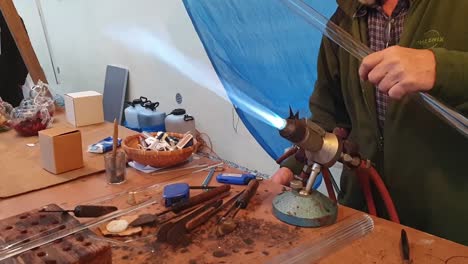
431	39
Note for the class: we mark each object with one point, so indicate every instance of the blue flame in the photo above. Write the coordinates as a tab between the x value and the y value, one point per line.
160	48
258	111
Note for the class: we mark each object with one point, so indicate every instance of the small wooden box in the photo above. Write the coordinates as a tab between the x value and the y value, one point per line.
77	248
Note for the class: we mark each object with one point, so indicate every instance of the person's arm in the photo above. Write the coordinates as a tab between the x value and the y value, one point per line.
326	103
451	83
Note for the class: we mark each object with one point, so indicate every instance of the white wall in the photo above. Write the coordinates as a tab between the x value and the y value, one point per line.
156	41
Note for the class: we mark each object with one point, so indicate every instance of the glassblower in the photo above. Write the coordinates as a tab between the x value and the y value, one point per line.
304	206
359	51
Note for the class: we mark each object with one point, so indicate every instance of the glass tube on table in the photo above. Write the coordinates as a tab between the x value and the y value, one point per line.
346	232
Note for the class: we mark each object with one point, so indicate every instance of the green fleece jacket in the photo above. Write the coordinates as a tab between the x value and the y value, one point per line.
423	159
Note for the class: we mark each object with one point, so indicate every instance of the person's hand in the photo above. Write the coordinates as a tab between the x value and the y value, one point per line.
283	176
398	71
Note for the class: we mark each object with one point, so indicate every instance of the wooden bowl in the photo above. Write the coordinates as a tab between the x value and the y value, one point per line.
157	159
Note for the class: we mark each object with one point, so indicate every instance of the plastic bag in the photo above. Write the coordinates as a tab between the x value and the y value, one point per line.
41	96
5	115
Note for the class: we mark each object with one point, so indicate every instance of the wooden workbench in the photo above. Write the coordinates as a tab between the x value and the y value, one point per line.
381	246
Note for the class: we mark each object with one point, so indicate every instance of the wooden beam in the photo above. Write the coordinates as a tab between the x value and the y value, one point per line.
22	41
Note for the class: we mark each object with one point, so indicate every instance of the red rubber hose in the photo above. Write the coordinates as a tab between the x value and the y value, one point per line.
377	180
382	189
364	180
326	178
287	154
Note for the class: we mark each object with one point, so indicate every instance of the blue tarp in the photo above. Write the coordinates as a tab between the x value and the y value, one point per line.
262	49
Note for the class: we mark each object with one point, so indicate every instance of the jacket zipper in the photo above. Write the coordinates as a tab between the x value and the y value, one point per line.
388	32
388	37
379	136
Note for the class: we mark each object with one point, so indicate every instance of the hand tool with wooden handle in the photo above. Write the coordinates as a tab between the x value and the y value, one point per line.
243	200
86	210
177	235
250	191
163	232
193	201
202	197
226	224
186	211
194	223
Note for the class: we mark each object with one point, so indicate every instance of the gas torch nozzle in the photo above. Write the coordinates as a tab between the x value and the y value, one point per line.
323	147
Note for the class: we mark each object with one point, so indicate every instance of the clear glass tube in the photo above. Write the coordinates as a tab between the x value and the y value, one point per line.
18	249
329	29
142	198
346	232
359	50
6	246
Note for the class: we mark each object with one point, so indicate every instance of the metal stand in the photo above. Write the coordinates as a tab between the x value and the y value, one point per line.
304	206
316	148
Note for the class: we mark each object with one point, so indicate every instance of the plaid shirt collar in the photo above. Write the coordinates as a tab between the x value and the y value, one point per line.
363	9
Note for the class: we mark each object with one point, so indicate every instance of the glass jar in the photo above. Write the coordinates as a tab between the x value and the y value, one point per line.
116	167
28	118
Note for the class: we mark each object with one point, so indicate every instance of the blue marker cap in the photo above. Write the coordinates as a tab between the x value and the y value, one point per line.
175	193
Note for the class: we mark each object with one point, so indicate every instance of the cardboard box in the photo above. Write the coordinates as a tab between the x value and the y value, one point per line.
61	149
84	108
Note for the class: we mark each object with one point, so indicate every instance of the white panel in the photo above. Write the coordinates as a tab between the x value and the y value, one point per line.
156	41
28	12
